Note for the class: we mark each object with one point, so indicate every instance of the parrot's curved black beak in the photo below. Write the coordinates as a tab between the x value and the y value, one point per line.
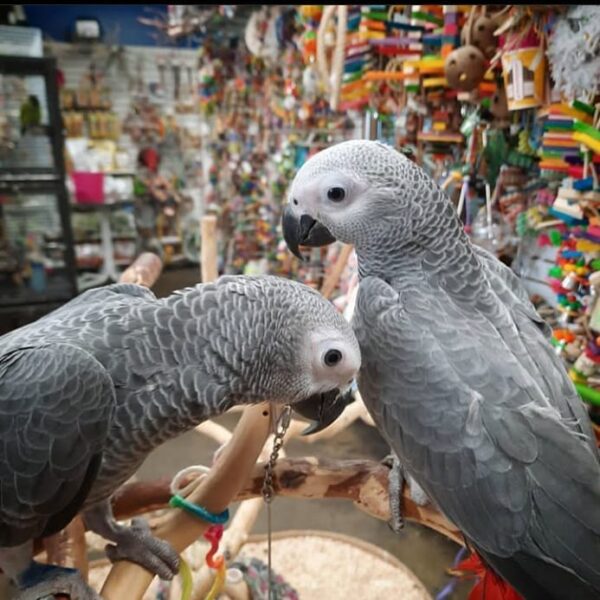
304	231
323	409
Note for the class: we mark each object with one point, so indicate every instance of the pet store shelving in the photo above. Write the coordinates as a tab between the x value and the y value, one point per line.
37	262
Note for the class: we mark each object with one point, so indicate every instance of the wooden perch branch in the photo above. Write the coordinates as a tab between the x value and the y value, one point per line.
363	482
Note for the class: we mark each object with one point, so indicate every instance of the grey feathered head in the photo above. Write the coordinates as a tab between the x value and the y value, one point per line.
357	192
268	338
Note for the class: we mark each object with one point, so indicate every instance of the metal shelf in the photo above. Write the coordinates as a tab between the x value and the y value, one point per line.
101	207
16	297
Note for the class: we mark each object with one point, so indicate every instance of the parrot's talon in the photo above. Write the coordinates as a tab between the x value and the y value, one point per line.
138	545
42	581
397	479
395	483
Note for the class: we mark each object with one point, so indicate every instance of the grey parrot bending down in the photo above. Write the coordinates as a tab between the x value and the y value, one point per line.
89	390
458	371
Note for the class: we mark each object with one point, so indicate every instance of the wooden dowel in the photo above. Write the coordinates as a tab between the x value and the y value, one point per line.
333	277
215	492
322	65
208	251
337	60
217	432
67	548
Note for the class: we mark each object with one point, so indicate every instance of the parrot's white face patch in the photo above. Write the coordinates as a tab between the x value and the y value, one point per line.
332	198
334	360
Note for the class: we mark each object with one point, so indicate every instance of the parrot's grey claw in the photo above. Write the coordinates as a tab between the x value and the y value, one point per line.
64	581
397	478
138	545
395	483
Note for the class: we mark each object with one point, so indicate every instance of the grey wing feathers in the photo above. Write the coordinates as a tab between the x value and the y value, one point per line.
509	287
55	407
476	430
97	297
533	332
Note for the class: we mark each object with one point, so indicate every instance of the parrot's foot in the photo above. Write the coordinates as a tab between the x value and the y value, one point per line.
138	545
397	478
45	581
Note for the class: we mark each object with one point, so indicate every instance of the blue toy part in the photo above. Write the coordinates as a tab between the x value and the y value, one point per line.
301	156
177	501
569	220
572	254
39	572
406	26
584	185
432	39
353	22
351	66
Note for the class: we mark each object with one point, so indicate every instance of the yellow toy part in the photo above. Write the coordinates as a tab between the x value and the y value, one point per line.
588	141
524	71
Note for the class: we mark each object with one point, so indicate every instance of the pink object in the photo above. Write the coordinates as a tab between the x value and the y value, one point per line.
89	187
543	240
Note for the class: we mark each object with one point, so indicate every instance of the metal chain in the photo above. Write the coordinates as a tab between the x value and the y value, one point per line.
268	491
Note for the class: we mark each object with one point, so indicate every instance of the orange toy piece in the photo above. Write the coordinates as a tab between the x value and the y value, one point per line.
565	335
214	534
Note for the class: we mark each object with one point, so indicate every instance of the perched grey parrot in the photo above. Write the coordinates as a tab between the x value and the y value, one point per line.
458	371
89	390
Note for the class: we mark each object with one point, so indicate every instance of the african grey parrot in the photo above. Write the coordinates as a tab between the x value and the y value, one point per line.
457	370
89	390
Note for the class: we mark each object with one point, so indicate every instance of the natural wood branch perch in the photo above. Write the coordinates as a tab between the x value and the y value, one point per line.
364	482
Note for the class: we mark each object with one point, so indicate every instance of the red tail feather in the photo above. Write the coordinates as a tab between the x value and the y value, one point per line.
489	586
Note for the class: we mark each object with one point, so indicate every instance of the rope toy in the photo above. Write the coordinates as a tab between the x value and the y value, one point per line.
213	535
175	488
